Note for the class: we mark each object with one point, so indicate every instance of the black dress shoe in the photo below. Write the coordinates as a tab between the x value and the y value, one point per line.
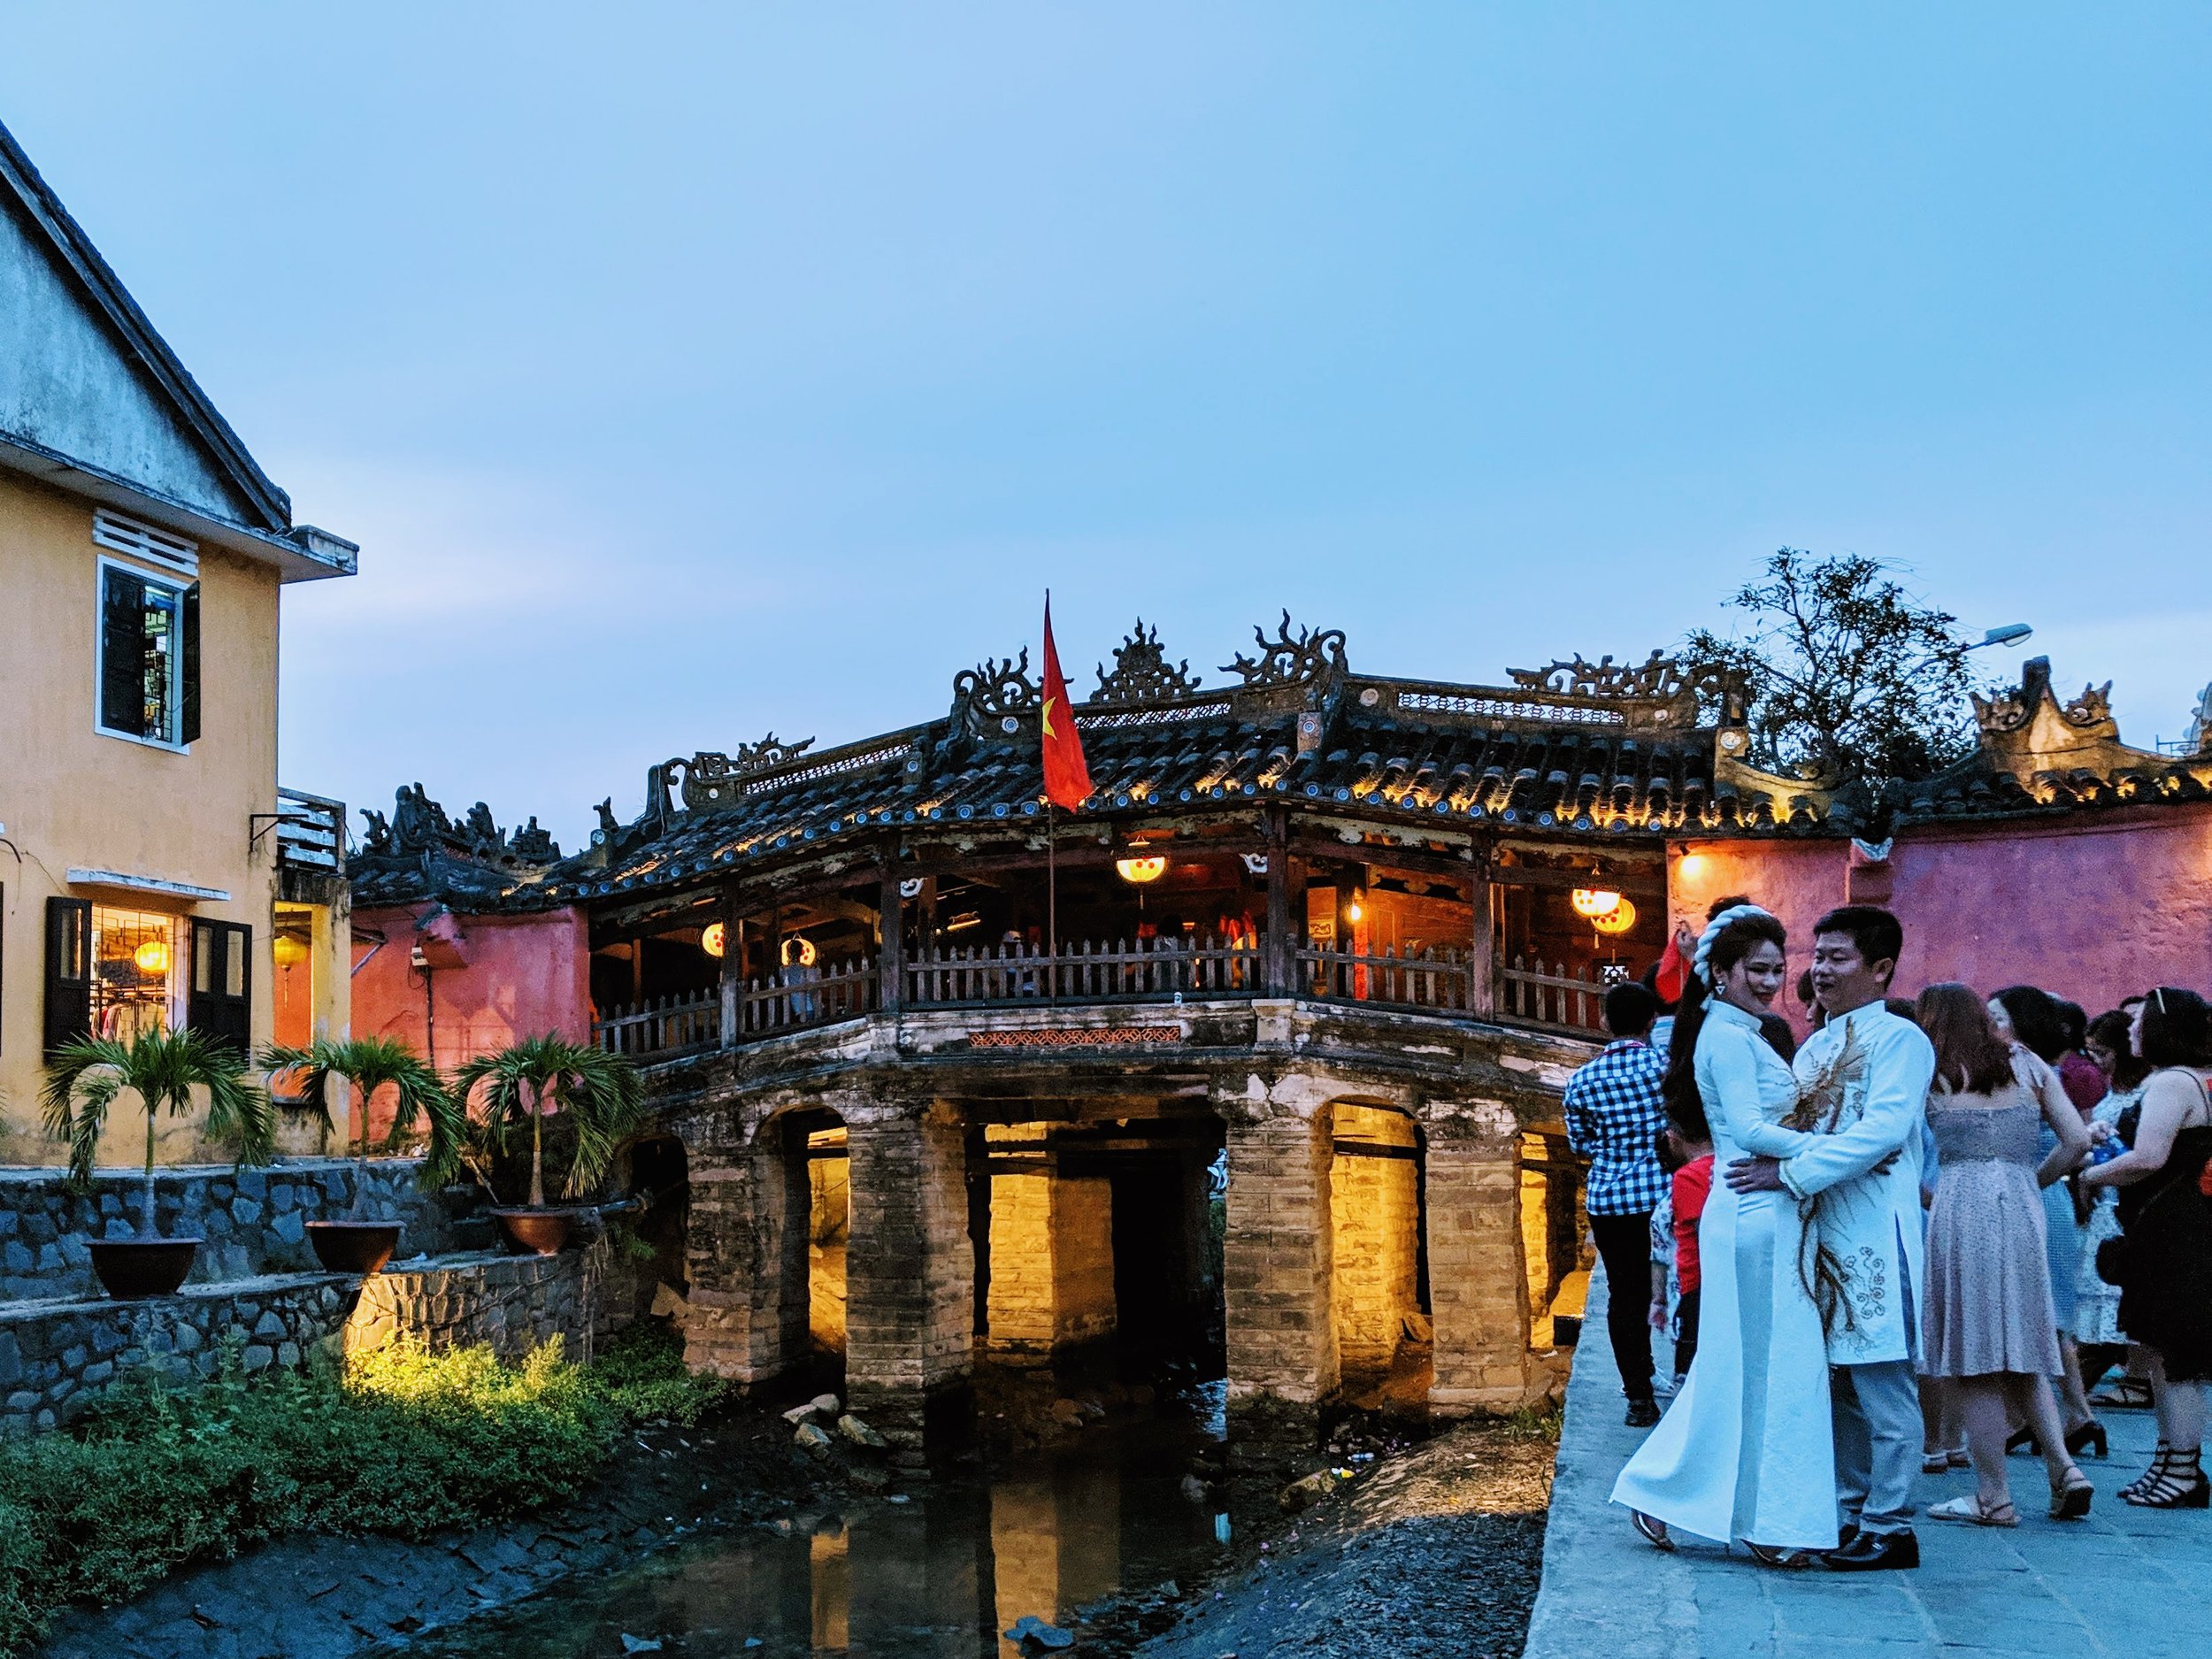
1876	1552
1844	1534
1643	1414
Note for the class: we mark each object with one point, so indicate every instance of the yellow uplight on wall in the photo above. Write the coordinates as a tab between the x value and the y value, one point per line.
713	939
1619	919
153	957
1141	871
1592	902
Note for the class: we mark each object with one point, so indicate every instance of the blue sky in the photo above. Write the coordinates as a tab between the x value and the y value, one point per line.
688	372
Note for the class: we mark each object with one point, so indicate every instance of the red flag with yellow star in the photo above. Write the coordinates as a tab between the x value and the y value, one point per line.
1067	774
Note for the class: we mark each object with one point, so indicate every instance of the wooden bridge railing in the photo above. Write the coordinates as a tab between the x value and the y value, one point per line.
1202	968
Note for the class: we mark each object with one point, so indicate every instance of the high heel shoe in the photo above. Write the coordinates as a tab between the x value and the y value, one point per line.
2181	1485
2071	1500
2024	1441
2088	1434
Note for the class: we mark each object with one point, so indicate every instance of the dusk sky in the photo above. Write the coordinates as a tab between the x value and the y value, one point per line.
687	373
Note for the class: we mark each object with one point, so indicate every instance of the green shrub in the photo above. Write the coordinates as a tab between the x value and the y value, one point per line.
401	1442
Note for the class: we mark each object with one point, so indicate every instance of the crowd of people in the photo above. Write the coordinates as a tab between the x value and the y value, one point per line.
1916	1242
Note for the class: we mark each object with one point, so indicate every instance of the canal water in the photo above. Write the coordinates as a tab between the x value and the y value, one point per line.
939	1570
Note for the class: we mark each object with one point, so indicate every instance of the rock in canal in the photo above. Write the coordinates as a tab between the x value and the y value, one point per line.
1036	1636
860	1434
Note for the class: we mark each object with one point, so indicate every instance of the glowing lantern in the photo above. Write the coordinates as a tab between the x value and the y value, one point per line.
1355	911
713	939
800	951
290	949
153	957
1139	871
1592	902
1619	919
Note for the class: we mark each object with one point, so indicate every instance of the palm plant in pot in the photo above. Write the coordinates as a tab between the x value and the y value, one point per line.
163	1070
598	1095
358	1244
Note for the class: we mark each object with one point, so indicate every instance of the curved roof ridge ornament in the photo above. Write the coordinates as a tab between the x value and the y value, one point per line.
1290	659
1142	672
993	691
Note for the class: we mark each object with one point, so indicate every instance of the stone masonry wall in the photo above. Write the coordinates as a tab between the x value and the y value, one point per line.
56	1356
1374	1194
254	1221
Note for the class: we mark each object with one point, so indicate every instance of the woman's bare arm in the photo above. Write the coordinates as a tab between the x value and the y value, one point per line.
2170	1099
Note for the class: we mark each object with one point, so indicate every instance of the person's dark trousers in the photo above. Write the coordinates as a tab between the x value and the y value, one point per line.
1624	1246
1686	1331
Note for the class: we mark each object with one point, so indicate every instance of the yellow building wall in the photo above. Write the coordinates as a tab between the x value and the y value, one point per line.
73	798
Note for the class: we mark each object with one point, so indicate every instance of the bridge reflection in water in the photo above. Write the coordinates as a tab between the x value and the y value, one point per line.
939	1576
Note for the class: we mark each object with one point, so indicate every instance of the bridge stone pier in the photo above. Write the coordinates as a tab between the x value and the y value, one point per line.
1327	1196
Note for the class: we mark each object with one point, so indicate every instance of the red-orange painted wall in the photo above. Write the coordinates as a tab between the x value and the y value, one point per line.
519	976
2095	909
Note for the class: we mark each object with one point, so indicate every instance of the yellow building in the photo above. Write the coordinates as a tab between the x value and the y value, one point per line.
151	871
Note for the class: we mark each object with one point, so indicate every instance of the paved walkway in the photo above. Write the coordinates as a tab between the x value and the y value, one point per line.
2136	1584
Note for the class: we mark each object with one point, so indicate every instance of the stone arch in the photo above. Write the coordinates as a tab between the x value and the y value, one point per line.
1379	1281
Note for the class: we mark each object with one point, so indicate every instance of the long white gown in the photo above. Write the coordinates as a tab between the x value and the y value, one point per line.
1746	1449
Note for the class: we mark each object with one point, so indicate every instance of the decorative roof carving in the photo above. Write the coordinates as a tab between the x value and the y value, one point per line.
420	824
768	754
1658	679
2014	711
1291	660
994	689
1142	673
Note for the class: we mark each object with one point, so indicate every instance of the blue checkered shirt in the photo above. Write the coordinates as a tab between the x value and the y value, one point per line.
1614	1116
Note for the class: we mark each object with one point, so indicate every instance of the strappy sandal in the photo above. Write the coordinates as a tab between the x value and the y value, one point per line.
2179	1485
2126	1393
2161	1460
1773	1555
1653	1531
1943	1459
2071	1500
1971	1508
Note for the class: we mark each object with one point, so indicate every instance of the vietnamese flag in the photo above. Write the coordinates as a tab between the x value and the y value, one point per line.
1067	775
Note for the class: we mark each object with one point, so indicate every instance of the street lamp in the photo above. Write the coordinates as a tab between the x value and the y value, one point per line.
2011	633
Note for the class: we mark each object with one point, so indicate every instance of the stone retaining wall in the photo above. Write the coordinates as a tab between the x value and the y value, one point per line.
57	1356
254	1221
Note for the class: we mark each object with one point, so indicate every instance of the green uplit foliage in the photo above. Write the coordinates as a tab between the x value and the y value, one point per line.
402	1442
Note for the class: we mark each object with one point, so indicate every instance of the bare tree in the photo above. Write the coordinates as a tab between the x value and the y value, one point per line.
1851	678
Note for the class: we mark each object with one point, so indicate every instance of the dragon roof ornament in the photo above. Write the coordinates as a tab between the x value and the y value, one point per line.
1657	679
418	826
1290	659
996	689
1142	673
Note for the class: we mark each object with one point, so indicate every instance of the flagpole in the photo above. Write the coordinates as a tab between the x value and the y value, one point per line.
1052	907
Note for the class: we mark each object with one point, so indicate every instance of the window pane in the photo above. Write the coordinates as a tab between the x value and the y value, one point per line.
233	965
160	674
133	952
202	955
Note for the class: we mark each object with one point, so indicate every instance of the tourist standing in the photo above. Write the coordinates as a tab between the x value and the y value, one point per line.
2097	1332
1692	1186
1985	1321
1745	1451
2166	1272
1862	1176
2036	1022
1614	1116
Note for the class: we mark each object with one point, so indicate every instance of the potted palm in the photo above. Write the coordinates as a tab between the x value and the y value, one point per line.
163	1070
369	1065
598	1094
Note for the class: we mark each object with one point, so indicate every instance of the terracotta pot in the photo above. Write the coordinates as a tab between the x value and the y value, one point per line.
130	1269
538	1231
353	1247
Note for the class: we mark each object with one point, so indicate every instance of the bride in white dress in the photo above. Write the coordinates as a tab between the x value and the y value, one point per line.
1747	1450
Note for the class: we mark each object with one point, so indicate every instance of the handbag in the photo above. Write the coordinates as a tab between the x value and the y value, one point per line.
2112	1259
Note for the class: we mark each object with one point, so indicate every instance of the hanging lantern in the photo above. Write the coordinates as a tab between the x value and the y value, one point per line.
1592	902
1355	911
1619	919
153	957
799	952
290	949
713	939
1139	871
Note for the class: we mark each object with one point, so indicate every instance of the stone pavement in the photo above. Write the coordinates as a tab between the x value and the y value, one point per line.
2136	1584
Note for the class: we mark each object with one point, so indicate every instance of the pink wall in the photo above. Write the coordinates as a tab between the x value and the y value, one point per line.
516	976
2095	909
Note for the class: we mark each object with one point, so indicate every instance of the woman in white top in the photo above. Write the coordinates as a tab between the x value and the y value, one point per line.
1747	1450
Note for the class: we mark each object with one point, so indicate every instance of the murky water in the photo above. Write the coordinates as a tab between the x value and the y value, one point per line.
939	1571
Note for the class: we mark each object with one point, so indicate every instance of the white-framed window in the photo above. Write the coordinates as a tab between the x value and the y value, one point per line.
148	648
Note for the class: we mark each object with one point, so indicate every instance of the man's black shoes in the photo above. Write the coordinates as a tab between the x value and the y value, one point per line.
1643	1414
1876	1552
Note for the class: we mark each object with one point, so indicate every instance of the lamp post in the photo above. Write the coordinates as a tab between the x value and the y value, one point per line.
2011	633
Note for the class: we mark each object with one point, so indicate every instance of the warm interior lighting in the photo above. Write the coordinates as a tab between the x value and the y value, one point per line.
153	957
965	919
1592	902
290	949
1141	871
1355	911
714	939
1619	919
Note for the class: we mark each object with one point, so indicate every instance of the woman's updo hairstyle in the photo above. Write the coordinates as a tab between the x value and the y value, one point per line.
2177	1028
1728	939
